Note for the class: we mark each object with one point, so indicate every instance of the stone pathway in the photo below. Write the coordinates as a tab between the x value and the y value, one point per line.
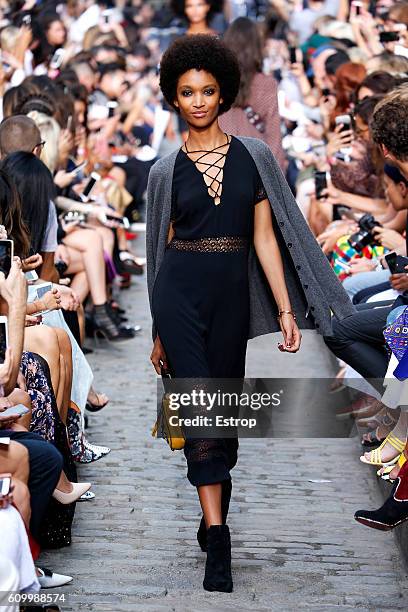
295	543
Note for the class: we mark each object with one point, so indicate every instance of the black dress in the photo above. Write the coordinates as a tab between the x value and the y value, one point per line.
200	297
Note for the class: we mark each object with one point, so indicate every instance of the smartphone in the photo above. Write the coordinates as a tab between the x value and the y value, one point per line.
320	183
107	15
89	186
292	55
3	337
386	37
18	410
57	59
396	263
26	20
78	168
345	120
6	255
31	276
123	222
5	484
69	123
43	289
111	108
358	6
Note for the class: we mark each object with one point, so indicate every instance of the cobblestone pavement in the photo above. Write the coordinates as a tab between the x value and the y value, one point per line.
295	543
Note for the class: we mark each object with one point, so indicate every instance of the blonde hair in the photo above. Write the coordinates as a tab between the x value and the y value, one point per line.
8	38
50	132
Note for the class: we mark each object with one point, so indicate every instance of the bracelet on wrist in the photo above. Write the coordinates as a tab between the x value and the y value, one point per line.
281	312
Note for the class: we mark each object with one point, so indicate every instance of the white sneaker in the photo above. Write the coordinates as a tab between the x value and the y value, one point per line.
49	579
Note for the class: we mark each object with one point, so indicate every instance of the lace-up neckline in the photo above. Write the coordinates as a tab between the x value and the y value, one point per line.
211	165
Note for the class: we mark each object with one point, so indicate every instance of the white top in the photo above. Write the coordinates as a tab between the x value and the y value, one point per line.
14	547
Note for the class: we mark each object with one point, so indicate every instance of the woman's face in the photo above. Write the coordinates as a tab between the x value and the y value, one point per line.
396	193
196	11
364	92
56	34
80	109
198	98
362	129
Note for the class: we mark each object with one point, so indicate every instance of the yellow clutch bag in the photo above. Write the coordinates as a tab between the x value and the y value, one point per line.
173	434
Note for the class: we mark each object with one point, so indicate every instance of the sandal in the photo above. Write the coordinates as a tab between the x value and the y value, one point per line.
375	455
385	472
99	404
371	438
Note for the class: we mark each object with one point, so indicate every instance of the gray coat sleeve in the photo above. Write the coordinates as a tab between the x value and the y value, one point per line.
151	239
335	294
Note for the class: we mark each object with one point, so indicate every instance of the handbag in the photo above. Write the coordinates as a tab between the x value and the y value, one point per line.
173	434
396	337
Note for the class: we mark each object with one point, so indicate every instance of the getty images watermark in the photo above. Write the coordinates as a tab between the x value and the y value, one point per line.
201	400
259	407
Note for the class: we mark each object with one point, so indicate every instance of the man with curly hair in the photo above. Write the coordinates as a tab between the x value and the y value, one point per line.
389	127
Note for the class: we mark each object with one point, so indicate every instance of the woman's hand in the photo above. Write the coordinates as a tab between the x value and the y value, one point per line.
31	263
332	233
14	288
69	226
62	179
65	144
399	282
331	195
69	299
362	264
158	356
51	300
388	238
338	140
6	421
6	500
291	334
32	320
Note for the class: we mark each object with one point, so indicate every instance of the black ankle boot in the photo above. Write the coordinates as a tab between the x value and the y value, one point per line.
218	565
392	513
225	502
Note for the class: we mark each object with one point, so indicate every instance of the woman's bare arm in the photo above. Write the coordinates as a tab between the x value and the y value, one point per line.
267	250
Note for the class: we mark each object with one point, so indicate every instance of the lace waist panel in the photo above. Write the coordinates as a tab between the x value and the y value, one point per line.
219	244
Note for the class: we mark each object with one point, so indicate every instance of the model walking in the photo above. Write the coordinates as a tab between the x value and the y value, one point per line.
229	257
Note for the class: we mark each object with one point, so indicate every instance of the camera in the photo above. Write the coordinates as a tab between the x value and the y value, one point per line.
364	236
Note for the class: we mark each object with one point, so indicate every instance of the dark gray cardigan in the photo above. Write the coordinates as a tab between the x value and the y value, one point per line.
313	288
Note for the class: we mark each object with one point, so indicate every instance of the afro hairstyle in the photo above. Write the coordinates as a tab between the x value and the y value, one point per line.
200	52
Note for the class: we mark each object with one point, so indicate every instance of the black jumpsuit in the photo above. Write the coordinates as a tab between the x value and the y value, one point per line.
200	296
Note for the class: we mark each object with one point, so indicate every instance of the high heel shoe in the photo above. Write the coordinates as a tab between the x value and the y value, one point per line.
95	407
105	326
225	502
78	489
376	454
218	565
394	511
